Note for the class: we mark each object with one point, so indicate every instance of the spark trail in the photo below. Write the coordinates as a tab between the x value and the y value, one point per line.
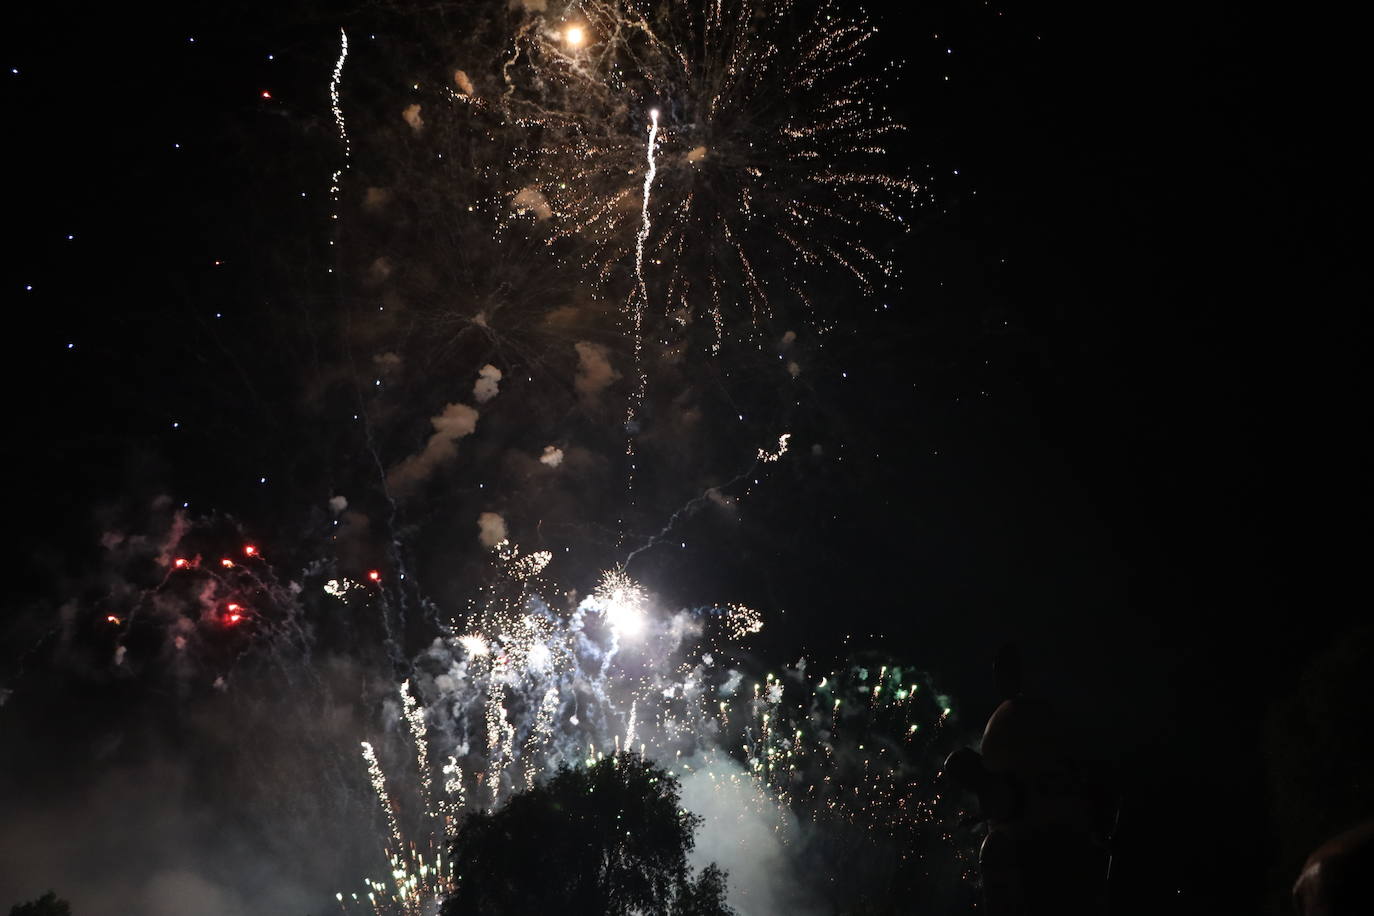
641	301
337	107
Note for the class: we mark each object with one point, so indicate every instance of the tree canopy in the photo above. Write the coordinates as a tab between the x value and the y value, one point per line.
607	840
47	905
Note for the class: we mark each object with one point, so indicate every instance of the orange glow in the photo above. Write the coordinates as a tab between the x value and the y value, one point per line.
250	551
180	563
226	563
375	576
112	618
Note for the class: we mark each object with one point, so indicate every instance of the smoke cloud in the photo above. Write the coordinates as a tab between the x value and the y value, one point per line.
743	832
532	200
488	384
375	199
594	370
552	457
412	117
457	421
491	529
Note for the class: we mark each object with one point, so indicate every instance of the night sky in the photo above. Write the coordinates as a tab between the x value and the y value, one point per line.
1110	413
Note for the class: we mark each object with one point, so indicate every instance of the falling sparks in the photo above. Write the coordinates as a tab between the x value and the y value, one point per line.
770	151
336	78
415	719
770	457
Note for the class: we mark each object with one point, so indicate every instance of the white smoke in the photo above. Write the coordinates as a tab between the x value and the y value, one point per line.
488	384
744	830
412	117
184	893
552	457
723	500
594	370
532	200
457	421
463	82
491	529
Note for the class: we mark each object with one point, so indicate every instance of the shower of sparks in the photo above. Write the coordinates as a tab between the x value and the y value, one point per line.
622	601
740	621
771	149
526	689
415	719
337	107
770	457
419	875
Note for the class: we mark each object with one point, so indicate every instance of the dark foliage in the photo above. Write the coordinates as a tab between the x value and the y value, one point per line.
47	905
607	840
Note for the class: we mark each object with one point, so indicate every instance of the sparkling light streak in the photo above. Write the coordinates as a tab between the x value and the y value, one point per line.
336	106
771	164
640	303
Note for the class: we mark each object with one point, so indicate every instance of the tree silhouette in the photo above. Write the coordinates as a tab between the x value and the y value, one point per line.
47	905
608	840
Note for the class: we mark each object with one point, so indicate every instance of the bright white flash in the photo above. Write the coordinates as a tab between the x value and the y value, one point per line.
574	36
474	645
621	601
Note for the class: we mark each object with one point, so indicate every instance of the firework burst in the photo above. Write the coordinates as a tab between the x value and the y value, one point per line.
768	149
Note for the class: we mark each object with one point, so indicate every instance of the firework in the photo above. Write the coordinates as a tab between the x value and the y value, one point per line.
525	688
766	155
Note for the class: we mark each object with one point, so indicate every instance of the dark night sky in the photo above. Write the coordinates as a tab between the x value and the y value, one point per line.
1112	414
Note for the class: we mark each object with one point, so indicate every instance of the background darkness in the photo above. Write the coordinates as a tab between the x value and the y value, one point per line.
1113	415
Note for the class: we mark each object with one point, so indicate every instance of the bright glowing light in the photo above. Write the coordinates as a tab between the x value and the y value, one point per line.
574	36
226	563
250	551
621	601
374	575
180	563
474	645
112	618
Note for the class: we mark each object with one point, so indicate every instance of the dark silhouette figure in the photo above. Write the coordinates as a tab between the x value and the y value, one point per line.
1040	855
